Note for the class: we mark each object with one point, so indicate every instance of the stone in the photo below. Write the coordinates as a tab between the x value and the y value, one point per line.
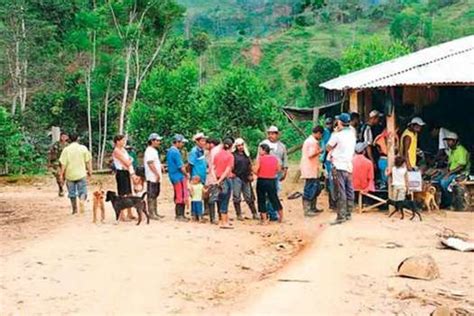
442	311
419	267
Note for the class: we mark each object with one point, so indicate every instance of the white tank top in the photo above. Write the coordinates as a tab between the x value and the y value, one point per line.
117	164
398	176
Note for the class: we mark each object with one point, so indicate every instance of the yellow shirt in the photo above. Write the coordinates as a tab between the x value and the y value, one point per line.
74	158
413	146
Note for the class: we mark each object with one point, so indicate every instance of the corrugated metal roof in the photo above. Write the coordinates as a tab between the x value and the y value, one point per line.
447	63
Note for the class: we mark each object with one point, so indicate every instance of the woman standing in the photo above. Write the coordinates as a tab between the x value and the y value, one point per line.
223	164
123	163
266	169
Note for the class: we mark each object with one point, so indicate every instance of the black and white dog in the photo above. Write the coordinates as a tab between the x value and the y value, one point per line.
413	206
121	203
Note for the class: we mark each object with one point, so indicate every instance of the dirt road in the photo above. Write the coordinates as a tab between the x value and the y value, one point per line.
54	263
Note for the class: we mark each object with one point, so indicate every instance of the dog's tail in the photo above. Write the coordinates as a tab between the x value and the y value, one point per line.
432	190
143	195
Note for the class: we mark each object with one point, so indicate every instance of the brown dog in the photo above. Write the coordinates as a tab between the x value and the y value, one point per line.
97	203
427	197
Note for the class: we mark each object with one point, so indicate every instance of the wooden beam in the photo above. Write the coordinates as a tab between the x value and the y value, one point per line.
315	116
298	129
353	101
392	129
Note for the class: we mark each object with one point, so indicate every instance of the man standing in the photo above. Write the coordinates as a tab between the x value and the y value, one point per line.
341	146
153	174
223	164
76	165
242	182
53	160
197	159
310	171
355	123
409	142
369	134
178	176
278	149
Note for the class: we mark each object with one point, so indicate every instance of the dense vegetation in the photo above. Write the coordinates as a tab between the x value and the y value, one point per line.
100	67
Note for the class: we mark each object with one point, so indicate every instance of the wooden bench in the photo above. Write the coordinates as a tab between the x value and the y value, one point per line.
379	201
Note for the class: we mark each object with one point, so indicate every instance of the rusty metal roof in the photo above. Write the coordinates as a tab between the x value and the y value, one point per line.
450	63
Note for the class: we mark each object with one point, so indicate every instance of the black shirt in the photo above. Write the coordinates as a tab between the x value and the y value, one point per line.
242	166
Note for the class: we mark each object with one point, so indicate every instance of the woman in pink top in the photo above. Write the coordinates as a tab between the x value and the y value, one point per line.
266	169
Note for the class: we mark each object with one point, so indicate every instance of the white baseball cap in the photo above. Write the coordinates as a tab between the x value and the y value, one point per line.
451	135
418	121
273	129
239	141
199	136
374	113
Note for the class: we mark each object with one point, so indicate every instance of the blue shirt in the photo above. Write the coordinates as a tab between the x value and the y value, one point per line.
324	142
198	163
175	163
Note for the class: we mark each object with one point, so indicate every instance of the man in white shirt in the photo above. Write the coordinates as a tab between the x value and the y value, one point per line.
341	145
153	174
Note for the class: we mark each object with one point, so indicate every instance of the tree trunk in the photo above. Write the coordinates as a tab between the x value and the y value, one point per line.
104	141
24	70
123	106
89	105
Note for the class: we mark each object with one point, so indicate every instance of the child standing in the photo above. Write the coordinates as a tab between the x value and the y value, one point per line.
399	179
196	190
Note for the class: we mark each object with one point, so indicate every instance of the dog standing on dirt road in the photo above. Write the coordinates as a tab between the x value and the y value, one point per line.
98	203
428	198
120	203
413	206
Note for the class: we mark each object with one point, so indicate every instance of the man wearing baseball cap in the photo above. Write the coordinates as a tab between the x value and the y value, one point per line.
197	159
409	142
278	149
153	174
341	146
368	135
329	182
458	164
178	176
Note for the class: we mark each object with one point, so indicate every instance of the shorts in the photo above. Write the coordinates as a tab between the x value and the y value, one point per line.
181	193
77	189
399	193
124	185
196	208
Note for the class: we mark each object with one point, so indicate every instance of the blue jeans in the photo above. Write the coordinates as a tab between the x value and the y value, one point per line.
311	190
272	213
77	188
330	187
224	196
446	196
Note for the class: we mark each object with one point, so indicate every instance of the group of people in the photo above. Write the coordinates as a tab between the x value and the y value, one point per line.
214	173
347	155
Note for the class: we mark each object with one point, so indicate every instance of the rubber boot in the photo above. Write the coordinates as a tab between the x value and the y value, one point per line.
74	205
314	207
238	211
350	208
253	209
151	203
307	208
176	211
182	211
212	213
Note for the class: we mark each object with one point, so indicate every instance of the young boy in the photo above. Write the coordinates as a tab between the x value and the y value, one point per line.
196	189
399	174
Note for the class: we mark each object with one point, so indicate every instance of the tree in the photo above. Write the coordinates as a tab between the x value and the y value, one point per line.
199	44
143	27
370	52
412	27
324	68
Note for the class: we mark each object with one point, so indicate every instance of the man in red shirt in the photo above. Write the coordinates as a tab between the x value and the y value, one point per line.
363	170
223	164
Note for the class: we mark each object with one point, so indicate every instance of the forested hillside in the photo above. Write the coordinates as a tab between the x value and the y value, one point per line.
223	67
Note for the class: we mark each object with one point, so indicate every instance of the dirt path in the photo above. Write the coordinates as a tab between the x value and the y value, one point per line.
55	263
351	268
